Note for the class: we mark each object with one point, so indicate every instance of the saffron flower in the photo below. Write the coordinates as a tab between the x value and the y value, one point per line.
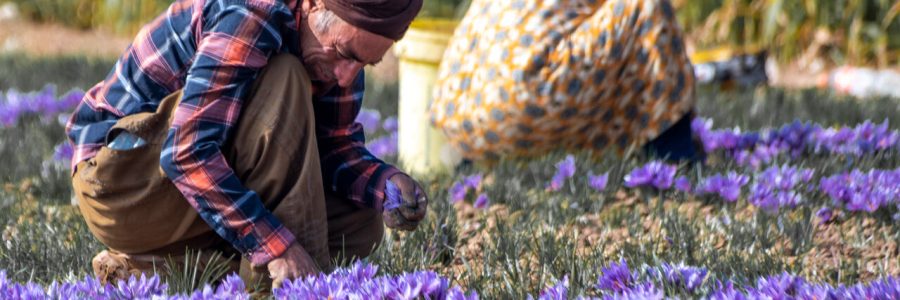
63	152
654	174
473	181
390	124
617	277
565	169
727	187
778	187
685	277
598	182
683	184
863	191
360	282
458	192
384	146
482	201
825	215
15	104
369	119
460	189
393	196
643	291
559	290
796	138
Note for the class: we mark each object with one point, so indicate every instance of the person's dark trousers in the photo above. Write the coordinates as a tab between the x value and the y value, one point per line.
676	143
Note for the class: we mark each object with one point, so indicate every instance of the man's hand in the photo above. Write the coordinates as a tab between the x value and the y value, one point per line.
412	206
294	263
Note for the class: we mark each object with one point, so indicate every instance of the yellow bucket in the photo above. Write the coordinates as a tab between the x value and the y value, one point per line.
422	148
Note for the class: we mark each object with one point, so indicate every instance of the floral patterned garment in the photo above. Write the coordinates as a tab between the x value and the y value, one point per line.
526	77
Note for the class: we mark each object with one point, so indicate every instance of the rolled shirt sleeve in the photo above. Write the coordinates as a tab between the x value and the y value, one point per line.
349	170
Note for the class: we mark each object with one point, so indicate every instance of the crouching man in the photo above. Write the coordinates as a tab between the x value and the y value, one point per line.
228	125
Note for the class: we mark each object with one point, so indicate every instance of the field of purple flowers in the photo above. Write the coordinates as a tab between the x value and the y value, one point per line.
798	197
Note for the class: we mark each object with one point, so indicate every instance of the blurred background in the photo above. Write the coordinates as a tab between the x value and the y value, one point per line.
801	37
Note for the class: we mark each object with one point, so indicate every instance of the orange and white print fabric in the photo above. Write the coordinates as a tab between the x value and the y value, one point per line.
526	77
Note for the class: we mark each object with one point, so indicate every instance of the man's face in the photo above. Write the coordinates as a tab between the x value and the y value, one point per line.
336	54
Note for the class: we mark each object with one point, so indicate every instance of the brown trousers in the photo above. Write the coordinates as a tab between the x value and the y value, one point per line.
134	209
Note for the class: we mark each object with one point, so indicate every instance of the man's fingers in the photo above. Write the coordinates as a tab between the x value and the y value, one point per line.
394	219
418	209
276	283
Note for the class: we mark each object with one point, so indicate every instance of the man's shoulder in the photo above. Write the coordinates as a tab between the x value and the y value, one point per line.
269	10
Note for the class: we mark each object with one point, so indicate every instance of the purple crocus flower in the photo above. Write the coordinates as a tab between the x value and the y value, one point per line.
559	290
617	277
458	192
686	277
777	286
370	119
482	201
456	294
565	169
683	184
473	181
598	182
825	215
778	187
727	187
360	282
15	104
863	191
393	196
643	291
390	124
63	152
656	174
726	291
460	189
141	288
384	146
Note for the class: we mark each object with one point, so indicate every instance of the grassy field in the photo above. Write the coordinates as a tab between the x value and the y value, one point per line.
528	237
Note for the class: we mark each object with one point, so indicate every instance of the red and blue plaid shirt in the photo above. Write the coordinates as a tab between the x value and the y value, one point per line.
213	50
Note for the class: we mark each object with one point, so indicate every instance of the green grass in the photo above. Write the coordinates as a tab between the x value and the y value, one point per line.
529	236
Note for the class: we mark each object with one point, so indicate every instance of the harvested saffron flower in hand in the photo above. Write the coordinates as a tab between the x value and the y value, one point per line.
393	196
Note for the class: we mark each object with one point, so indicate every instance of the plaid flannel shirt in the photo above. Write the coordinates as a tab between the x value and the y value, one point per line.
213	50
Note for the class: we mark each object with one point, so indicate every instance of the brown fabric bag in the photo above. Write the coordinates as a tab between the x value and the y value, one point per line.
128	202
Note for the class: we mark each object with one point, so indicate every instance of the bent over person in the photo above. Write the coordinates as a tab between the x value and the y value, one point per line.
228	125
521	78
